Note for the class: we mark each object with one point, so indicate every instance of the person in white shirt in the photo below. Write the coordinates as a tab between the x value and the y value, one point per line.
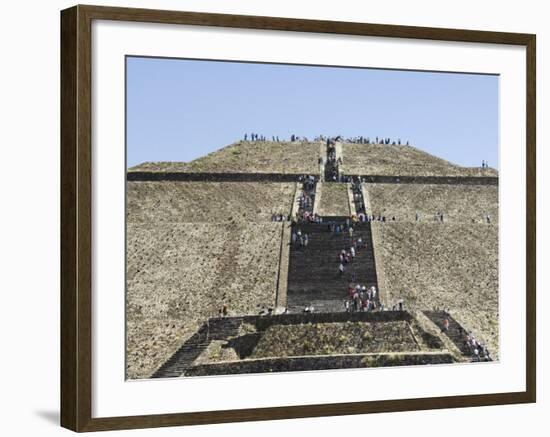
341	269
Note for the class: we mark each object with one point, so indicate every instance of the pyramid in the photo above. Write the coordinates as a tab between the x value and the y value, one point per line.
201	233
302	158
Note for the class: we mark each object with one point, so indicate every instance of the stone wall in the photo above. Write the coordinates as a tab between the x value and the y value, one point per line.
446	180
175	176
351	201
284	258
263	323
294	364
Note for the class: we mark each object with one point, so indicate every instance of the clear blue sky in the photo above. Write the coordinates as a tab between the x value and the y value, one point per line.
179	110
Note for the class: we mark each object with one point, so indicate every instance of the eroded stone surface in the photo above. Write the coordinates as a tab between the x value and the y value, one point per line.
179	275
444	266
401	160
249	157
213	202
457	203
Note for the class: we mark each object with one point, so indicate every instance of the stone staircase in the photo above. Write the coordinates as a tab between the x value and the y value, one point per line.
183	358
323	362
223	328
456	333
182	362
331	166
358	200
313	278
307	198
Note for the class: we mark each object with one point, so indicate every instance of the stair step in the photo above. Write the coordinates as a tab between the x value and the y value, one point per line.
313	277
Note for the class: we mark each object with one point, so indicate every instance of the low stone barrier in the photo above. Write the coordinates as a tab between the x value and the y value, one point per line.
283	177
325	362
282	277
264	322
451	180
351	201
210	177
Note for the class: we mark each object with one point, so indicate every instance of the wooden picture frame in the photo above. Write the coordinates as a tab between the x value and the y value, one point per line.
76	217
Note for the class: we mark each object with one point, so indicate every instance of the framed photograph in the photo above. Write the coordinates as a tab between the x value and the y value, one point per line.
268	218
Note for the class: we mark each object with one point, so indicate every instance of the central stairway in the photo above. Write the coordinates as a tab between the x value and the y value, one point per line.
358	199
313	277
331	165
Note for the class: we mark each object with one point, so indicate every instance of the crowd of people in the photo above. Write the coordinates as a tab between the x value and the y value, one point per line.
305	203
377	140
361	298
346	257
358	200
477	350
306	214
332	162
280	218
300	238
361	140
306	200
297	138
274	138
308	182
362	217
